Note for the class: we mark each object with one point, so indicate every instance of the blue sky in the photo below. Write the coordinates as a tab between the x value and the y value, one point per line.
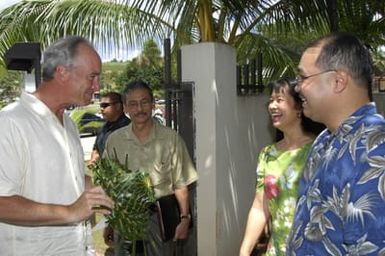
6	3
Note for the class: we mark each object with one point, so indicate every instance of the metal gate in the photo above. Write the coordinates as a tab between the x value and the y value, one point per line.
181	116
179	112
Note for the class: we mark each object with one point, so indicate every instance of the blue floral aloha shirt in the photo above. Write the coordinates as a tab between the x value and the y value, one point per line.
341	200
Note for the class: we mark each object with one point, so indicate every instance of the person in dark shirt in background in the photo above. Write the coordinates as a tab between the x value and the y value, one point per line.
111	107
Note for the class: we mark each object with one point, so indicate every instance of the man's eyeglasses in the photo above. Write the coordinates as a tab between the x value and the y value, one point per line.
135	104
301	78
106	104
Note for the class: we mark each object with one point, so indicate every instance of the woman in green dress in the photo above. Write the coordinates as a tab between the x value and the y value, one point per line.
279	170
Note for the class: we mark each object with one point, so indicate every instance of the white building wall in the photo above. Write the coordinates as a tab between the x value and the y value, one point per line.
230	131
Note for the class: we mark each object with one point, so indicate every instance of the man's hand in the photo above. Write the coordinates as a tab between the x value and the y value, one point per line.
181	231
90	164
94	157
93	200
108	235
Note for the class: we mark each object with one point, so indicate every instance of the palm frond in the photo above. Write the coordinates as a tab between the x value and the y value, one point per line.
109	24
250	26
132	193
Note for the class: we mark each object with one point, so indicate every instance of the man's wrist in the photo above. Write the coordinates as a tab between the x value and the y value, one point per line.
185	217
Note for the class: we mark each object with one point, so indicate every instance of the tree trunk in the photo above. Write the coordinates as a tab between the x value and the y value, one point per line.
332	9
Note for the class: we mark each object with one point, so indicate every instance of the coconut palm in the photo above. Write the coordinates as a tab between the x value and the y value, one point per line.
365	18
242	24
116	23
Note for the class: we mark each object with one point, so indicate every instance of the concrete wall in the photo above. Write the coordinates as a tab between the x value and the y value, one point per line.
230	131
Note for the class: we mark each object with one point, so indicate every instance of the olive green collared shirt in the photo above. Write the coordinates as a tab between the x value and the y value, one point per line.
164	156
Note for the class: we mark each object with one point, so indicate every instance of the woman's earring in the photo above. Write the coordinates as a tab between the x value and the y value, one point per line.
299	114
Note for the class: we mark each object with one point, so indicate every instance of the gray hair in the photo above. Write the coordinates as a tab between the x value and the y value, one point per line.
62	52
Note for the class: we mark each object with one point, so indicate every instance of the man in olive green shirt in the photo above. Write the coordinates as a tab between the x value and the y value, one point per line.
158	150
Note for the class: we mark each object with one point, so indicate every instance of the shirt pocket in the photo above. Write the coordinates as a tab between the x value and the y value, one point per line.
162	173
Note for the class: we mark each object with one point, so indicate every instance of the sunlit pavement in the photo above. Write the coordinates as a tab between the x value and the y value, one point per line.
87	144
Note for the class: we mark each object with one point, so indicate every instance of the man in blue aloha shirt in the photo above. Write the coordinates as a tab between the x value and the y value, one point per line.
341	200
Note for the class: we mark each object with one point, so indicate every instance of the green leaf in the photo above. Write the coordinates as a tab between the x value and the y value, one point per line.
132	192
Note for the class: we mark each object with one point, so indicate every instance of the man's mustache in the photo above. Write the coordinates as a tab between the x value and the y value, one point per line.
141	114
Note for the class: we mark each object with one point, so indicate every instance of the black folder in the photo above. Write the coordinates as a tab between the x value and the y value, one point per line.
169	216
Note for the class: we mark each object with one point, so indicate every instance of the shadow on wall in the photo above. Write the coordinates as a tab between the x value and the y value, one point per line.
243	138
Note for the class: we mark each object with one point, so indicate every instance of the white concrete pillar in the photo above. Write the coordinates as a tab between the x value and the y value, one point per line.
230	131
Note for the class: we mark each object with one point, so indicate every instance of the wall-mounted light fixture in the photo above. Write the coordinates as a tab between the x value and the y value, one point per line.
25	57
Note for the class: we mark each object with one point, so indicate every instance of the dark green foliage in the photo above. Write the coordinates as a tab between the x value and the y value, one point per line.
148	66
87	126
153	75
10	86
111	73
132	193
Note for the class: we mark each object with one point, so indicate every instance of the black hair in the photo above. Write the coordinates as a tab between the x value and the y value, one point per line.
138	84
346	52
308	125
113	96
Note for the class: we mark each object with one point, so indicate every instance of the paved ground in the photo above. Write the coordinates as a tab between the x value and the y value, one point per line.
87	143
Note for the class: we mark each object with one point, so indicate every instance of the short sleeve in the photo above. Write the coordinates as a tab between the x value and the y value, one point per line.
184	172
261	169
13	152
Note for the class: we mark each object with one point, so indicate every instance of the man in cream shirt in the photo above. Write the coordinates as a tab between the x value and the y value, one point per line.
45	197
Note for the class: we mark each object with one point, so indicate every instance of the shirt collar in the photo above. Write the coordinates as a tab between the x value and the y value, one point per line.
354	120
34	105
153	134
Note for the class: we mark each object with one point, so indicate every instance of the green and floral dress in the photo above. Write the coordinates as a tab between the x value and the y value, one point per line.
278	174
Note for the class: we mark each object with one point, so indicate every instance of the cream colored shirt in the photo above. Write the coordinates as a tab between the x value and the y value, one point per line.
164	156
42	160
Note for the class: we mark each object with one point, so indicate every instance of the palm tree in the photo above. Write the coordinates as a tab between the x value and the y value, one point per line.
366	19
242	24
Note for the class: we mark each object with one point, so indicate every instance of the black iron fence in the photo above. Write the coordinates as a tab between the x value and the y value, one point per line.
179	115
249	77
